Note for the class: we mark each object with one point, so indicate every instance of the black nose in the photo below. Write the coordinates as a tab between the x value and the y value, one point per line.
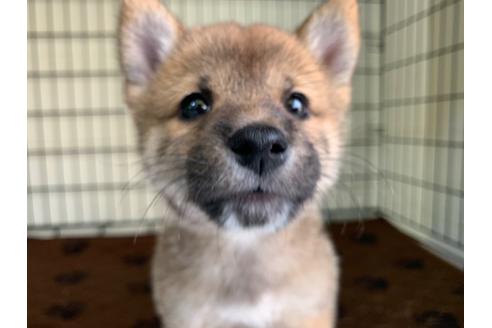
260	148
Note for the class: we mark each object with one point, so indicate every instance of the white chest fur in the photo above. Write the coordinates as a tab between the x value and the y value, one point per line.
262	314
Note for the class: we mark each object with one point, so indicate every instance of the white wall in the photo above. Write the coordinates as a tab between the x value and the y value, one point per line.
422	118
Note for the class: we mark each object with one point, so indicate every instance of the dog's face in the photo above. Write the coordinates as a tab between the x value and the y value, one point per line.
243	125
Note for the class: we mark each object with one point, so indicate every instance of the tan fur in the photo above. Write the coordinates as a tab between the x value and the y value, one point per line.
206	270
204	276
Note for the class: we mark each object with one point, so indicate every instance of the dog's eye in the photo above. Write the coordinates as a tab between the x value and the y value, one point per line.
297	104
194	105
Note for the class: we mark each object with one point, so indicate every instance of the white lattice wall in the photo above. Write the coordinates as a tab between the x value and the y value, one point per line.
422	119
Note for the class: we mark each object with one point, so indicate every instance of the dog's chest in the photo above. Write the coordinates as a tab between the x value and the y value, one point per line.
204	283
232	304
263	312
229	286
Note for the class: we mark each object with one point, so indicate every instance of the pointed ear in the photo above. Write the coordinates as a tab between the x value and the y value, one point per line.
332	35
147	35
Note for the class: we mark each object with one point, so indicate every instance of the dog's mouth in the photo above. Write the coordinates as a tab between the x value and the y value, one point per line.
258	195
236	197
243	209
254	197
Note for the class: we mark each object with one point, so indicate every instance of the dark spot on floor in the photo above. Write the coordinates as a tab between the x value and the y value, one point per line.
341	311
70	278
74	247
458	291
136	260
138	287
66	311
372	283
147	323
436	319
411	264
365	238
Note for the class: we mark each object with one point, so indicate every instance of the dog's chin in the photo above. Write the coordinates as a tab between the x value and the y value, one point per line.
255	210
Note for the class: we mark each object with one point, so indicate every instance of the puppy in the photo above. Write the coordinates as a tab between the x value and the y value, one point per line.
240	130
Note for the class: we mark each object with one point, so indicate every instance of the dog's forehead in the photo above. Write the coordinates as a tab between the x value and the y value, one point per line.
255	53
236	41
239	65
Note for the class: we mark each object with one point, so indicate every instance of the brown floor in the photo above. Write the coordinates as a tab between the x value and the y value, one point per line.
387	281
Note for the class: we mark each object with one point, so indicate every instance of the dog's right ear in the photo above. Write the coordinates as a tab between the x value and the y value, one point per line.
147	35
332	34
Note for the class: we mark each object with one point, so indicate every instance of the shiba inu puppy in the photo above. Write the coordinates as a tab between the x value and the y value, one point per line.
240	130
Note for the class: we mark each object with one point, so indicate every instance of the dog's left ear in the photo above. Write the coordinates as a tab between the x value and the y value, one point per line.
332	34
148	33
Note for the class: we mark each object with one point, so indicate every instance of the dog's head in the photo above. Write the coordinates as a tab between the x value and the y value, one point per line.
241	124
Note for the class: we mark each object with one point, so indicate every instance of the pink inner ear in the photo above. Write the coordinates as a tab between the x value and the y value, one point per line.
331	43
150	41
335	57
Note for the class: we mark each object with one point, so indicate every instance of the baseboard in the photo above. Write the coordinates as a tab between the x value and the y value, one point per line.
450	254
350	214
94	229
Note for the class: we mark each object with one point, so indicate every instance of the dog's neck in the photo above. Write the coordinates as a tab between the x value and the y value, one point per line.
192	221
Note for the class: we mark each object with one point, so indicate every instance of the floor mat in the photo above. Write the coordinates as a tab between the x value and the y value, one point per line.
387	281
